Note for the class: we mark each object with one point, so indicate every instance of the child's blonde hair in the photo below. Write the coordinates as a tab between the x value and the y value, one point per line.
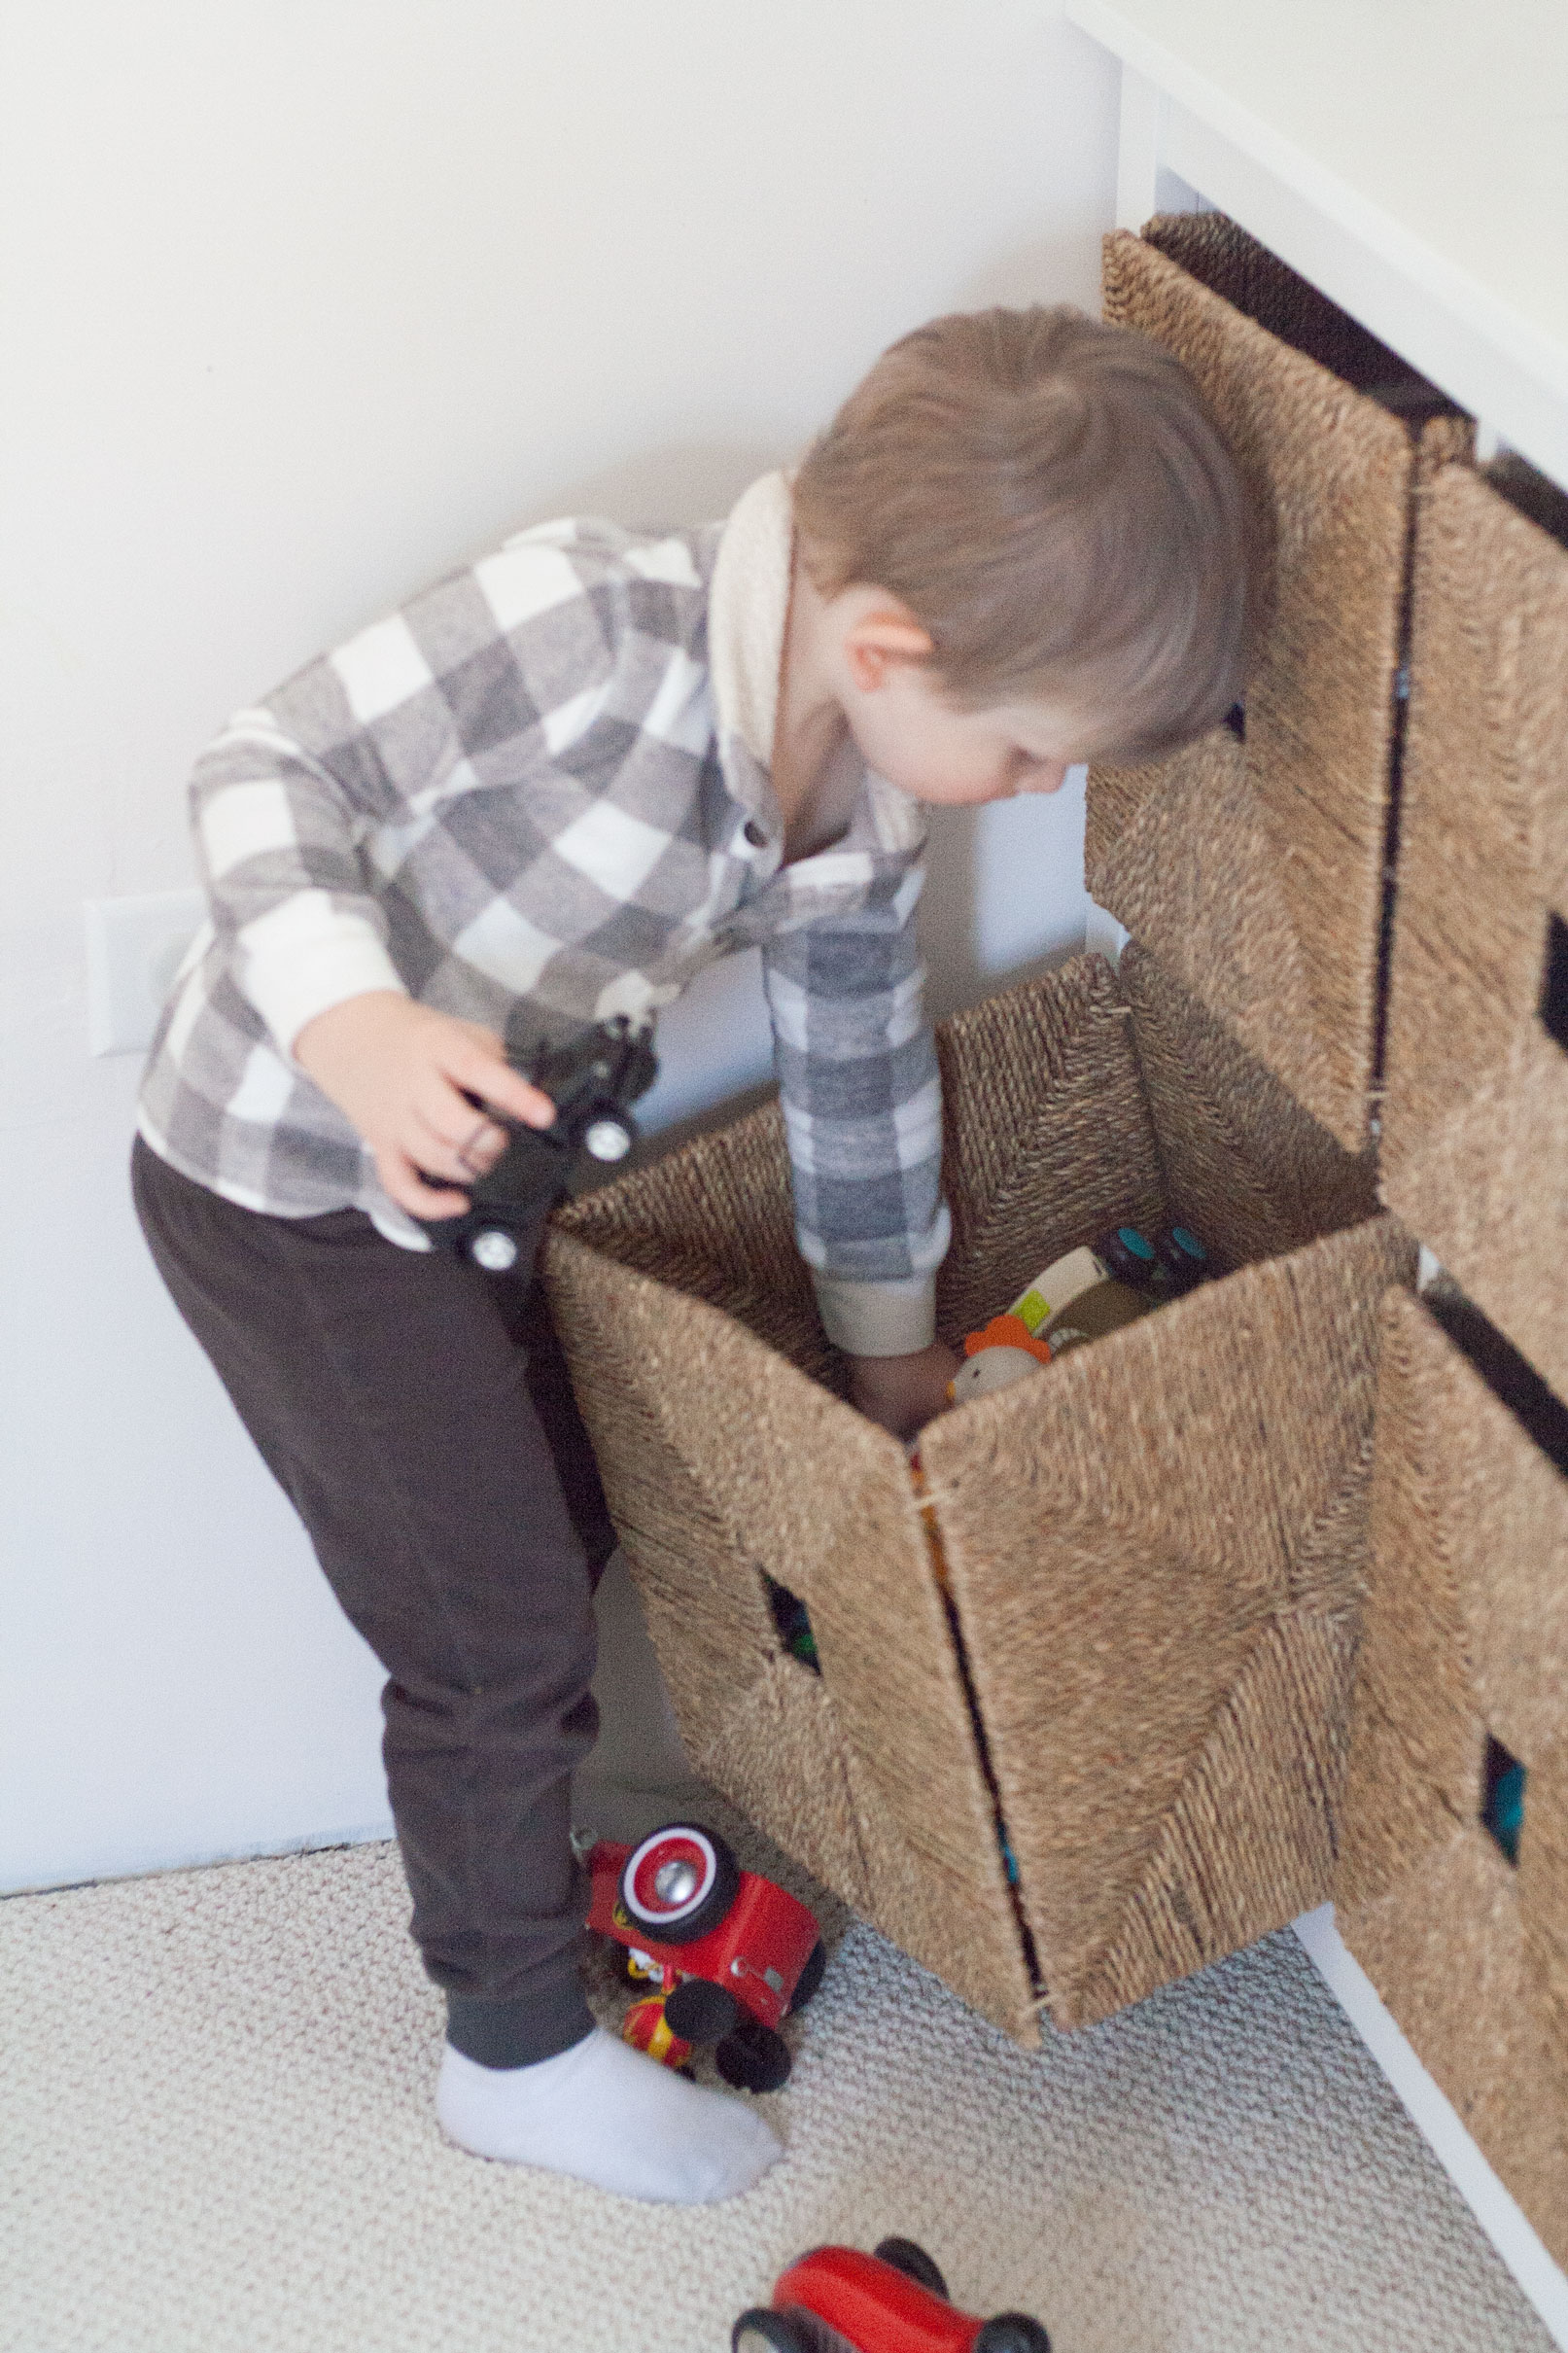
1056	505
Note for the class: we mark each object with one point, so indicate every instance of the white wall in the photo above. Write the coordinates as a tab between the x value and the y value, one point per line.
304	300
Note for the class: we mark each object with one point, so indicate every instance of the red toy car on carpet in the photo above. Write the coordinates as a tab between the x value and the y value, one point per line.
838	2301
732	1955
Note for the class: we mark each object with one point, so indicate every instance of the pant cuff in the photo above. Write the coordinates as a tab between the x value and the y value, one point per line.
519	2030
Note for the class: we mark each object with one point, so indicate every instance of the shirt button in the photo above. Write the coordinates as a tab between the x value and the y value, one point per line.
755	834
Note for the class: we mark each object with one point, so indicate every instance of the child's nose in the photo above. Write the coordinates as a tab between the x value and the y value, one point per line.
1046	776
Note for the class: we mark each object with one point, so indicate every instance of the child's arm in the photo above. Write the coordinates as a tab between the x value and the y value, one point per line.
862	1109
903	1392
277	820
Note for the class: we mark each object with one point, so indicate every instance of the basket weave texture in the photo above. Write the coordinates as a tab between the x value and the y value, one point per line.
1154	1547
1332	431
1474	1153
1466	1635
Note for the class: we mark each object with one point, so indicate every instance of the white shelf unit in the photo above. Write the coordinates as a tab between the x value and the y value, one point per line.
1374	152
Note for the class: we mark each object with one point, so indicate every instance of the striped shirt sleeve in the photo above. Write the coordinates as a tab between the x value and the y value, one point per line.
275	833
862	1109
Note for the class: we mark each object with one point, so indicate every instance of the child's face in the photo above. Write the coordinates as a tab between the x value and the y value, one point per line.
908	734
908	731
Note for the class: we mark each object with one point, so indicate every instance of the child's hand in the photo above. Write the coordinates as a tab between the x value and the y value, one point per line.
403	1073
903	1392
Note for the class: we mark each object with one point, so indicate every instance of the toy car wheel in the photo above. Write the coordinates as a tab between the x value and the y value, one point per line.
751	2058
700	2012
764	2332
679	1883
1012	2332
914	2262
810	1978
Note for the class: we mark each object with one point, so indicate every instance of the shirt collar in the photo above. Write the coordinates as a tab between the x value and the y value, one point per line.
748	608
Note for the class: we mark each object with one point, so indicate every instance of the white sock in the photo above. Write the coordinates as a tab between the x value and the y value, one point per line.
610	2116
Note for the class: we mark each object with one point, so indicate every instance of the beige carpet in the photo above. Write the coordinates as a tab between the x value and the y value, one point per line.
215	2133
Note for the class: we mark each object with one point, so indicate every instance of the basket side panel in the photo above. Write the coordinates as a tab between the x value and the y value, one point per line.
716	1221
1223	256
1294	817
1245	1165
1049	1138
923	1897
1466	1637
778	1752
1228	1856
1475	1151
683	1402
1155	1551
689	1568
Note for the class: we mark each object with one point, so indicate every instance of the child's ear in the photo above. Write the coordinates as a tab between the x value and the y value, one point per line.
880	638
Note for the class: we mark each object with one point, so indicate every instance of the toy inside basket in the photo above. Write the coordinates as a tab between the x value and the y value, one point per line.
1140	1668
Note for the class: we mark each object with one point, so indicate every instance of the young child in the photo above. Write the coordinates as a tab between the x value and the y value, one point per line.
547	790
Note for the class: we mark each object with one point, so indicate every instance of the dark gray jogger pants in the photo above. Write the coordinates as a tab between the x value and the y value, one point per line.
417	1414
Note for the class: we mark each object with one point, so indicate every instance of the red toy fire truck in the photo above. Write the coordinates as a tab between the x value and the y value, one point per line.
730	1954
838	2301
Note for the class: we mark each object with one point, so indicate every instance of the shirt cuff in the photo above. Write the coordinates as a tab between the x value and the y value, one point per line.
878	1318
303	956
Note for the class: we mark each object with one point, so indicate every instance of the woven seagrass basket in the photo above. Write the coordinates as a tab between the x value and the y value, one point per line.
1475	1151
1142	1665
1253	865
1462	1928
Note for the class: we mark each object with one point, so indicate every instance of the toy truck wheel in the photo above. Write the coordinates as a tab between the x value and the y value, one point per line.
764	2331
810	1978
1012	2332
700	2012
680	1883
914	2262
751	2058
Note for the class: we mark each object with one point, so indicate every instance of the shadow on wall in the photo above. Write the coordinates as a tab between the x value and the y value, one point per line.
654	489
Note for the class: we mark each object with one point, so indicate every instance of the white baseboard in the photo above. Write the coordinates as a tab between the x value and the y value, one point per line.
1436	2118
160	1859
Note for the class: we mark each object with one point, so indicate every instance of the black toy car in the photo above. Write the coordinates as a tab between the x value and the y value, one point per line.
593	1079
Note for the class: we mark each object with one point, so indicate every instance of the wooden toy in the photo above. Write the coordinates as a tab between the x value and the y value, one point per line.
1104	1308
1005	1352
1079	1297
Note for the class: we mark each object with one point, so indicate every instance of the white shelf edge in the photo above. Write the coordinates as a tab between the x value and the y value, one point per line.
1449	349
1436	2118
1531	368
1367	220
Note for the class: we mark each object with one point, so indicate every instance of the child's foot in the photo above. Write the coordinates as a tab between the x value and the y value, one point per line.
610	2116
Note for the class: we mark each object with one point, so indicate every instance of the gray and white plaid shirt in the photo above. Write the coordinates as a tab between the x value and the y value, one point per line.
535	796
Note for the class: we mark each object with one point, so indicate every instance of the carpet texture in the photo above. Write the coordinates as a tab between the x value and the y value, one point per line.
216	2132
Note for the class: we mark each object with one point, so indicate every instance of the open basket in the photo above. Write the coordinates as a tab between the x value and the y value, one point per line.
1140	1667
